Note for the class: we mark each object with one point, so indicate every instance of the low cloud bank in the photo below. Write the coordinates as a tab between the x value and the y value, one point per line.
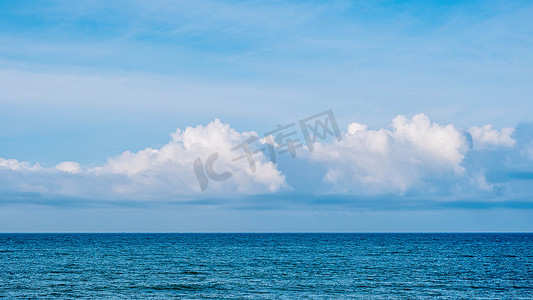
414	156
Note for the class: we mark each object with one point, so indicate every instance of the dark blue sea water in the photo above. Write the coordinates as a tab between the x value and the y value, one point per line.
233	266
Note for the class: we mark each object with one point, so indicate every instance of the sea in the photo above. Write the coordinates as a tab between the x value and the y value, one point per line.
267	266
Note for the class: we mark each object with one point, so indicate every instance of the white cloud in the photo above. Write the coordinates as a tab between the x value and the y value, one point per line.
445	145
16	165
487	136
69	167
164	172
173	163
385	161
413	156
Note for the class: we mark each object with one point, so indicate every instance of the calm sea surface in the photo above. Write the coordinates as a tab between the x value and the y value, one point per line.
140	266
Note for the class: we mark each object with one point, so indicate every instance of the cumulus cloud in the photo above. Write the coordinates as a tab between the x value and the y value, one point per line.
15	165
392	160
69	167
488	136
413	156
158	172
173	163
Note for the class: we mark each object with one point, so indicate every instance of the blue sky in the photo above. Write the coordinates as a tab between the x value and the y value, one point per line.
433	101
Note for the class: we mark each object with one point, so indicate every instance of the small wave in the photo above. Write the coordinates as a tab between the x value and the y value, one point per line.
183	287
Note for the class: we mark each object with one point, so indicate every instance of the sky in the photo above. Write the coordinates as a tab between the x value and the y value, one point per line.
132	116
